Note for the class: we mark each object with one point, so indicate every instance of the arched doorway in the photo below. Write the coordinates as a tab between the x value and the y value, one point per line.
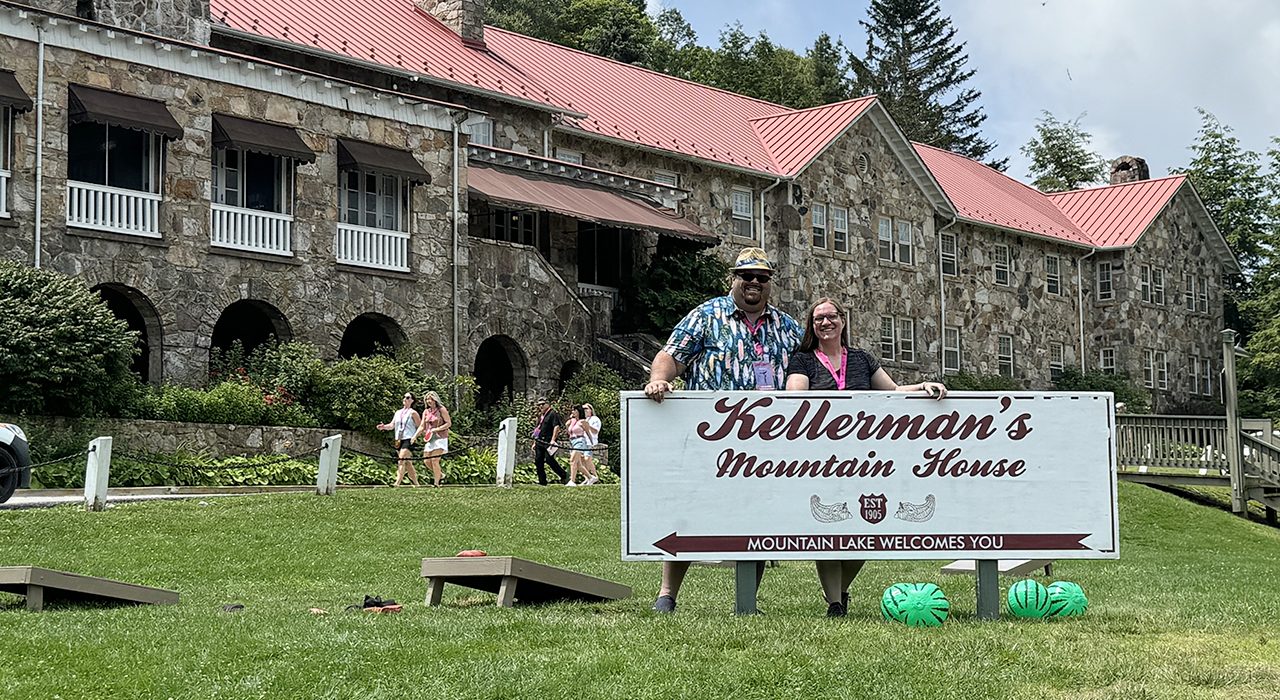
501	371
134	308
250	323
568	371
371	334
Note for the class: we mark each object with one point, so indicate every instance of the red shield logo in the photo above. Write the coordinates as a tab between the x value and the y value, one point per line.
873	507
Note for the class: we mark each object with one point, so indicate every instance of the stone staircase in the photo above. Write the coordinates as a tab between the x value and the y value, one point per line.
629	355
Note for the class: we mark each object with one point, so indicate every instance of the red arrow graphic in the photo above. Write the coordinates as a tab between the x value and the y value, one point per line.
677	544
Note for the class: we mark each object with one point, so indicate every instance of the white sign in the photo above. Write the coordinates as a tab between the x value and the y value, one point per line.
750	475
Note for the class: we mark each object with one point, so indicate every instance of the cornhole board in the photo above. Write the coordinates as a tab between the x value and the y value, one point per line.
1006	567
40	585
516	580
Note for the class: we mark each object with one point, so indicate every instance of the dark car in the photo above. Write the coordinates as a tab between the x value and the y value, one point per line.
15	460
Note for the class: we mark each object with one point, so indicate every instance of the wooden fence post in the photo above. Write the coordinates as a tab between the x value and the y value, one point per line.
97	471
327	476
1235	456
506	452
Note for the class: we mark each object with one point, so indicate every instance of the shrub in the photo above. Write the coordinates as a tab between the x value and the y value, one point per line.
1135	398
980	382
598	385
678	278
62	351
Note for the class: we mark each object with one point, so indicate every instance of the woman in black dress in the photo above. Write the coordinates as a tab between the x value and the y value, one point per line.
825	362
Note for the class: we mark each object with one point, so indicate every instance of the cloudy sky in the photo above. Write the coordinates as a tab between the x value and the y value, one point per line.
1138	68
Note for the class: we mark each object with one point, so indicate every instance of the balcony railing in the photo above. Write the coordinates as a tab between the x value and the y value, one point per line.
4	193
251	229
378	248
113	209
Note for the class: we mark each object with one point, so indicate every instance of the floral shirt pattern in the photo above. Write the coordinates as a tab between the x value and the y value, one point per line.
719	349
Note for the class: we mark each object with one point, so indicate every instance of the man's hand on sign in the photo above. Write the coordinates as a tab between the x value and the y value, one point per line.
657	389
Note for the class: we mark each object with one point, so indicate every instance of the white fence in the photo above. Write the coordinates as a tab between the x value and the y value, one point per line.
113	209
251	229
379	248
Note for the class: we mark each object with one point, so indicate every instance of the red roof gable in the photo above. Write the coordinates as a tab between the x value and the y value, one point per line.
1117	215
988	196
794	139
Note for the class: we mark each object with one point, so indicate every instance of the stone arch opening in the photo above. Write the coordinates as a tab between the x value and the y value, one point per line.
568	371
501	371
134	308
371	334
251	323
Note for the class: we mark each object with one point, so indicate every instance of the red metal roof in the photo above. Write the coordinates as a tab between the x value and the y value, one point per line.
394	33
986	195
1117	215
641	106
794	139
581	201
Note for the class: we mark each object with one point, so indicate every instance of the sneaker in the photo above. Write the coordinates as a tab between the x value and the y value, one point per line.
664	604
592	480
836	610
571	483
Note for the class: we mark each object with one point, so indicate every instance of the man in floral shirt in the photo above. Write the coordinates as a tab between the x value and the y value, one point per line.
734	342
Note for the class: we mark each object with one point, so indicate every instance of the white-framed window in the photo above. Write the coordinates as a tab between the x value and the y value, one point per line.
1144	282
1157	286
840	229
374	201
951	350
569	156
252	180
906	340
6	155
1202	296
1000	264
672	180
818	213
481	132
884	241
744	213
906	237
1208	377
950	263
113	156
1195	374
1189	291
1057	360
1052	274
1162	370
1004	355
888	346
1149	369
1106	289
1107	360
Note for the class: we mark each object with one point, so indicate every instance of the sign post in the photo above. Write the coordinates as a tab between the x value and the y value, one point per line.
747	477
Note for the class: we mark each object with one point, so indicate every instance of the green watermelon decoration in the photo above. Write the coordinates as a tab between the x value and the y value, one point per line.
1028	598
1066	599
915	604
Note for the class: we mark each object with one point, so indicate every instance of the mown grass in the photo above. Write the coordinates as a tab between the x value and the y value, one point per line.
1187	612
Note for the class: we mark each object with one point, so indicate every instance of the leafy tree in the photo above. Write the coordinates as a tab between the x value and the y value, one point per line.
1060	155
914	63
617	29
675	49
62	351
678	278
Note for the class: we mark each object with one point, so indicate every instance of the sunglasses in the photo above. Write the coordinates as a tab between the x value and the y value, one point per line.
753	277
408	396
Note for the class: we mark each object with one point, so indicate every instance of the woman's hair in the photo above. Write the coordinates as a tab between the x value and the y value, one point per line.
809	342
577	412
411	395
586	406
434	397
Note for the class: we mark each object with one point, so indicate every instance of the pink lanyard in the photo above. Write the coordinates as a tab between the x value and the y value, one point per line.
844	364
755	330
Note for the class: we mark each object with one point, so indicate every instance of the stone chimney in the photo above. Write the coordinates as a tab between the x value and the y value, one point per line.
466	17
1129	169
184	20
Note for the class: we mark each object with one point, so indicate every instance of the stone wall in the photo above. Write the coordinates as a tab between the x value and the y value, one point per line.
186	20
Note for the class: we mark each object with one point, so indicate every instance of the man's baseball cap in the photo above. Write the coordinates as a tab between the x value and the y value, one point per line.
753	259
541	400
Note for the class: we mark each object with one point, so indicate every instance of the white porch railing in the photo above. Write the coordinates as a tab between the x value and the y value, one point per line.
379	248
113	209
4	193
251	229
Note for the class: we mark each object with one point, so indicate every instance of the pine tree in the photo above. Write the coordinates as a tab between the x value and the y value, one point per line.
1060	156
918	69
830	70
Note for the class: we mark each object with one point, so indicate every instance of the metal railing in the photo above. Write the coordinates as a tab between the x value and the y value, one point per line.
4	192
113	209
1172	442
251	229
379	248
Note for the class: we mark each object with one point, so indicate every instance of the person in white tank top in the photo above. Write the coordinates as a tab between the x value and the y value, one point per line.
406	424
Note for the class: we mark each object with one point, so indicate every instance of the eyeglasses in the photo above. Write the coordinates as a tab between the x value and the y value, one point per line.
827	318
409	396
753	277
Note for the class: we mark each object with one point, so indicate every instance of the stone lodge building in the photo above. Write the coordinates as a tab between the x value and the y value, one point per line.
368	173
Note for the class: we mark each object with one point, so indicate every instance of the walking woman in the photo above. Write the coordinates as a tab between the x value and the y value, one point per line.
825	362
579	447
406	423
593	439
435	425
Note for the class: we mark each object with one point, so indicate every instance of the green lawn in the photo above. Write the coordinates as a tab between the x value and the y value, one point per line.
1188	612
